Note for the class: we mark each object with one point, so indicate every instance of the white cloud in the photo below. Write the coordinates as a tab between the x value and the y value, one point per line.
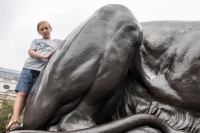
19	19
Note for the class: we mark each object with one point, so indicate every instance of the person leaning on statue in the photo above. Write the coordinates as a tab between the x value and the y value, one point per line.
40	51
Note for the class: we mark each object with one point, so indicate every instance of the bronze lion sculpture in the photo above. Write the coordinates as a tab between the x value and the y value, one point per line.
114	74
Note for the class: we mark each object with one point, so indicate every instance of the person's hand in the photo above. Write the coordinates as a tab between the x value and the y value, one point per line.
34	54
47	56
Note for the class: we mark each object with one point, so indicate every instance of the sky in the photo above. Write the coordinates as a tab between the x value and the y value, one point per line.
19	18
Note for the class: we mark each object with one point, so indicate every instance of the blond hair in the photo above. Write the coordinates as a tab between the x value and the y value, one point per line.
42	22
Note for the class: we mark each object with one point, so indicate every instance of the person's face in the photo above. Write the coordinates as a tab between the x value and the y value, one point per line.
45	30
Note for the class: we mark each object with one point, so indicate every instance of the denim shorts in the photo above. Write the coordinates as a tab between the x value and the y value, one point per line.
26	80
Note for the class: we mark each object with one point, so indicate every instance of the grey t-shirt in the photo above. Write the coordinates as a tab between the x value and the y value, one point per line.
41	46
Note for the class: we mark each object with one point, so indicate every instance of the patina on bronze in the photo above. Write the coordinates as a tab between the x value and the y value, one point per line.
113	74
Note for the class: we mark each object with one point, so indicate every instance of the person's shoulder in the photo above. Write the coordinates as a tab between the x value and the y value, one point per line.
33	41
58	40
36	40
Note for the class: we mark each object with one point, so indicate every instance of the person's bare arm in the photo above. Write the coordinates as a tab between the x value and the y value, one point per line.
34	54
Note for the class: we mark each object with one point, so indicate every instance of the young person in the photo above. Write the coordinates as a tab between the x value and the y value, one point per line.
40	51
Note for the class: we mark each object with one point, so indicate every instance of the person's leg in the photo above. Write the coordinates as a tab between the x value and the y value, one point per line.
22	88
19	105
27	79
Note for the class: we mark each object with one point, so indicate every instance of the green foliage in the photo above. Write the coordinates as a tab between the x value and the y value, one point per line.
5	113
6	110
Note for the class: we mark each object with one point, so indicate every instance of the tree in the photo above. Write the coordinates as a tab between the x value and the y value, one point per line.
6	110
5	113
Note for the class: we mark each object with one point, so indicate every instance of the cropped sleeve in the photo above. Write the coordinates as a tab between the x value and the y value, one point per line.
33	45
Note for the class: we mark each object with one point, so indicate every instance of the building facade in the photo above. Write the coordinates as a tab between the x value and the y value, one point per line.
8	81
